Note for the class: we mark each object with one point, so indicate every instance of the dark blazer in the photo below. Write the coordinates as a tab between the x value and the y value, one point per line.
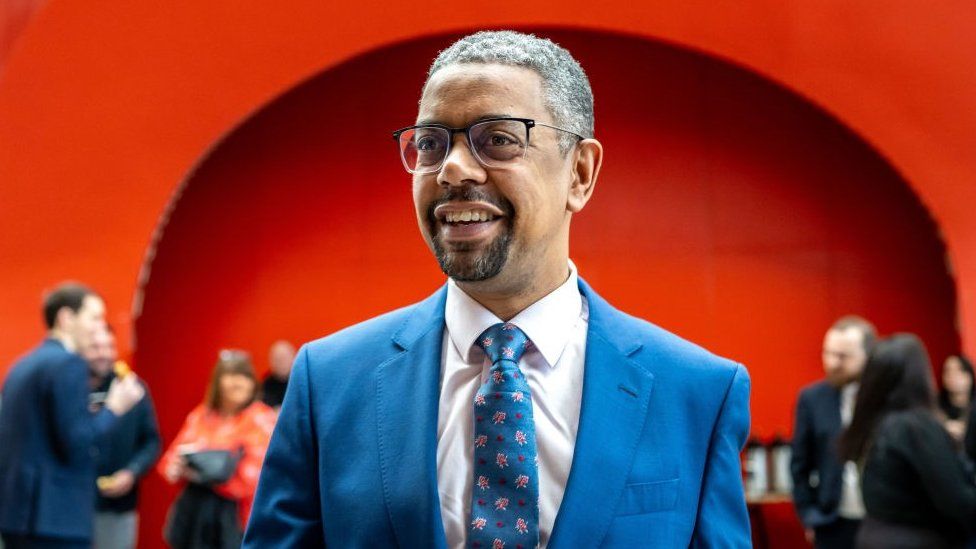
914	478
47	470
132	444
352	462
818	473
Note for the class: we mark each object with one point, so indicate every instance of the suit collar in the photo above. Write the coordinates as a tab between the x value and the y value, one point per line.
548	322
425	316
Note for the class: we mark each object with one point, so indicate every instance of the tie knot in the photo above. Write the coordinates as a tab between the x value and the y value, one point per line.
503	341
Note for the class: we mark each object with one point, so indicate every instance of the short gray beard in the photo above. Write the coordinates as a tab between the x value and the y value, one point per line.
484	266
488	263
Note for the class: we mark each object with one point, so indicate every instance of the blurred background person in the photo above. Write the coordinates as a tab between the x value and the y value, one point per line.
956	394
826	494
918	490
280	357
218	454
47	434
125	454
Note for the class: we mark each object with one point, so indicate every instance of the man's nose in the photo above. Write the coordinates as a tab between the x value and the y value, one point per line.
461	167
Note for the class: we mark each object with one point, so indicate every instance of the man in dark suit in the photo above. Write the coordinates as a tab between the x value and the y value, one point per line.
514	407
280	358
47	468
826	492
125	454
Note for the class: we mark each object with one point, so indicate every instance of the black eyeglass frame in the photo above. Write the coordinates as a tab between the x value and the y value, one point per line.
529	124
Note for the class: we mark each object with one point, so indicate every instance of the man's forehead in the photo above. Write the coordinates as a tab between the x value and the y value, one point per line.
472	91
92	303
850	337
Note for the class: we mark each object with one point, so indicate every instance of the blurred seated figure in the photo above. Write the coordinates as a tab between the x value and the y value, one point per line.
280	357
918	491
956	395
218	454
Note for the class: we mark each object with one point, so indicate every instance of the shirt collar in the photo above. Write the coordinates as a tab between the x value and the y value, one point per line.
548	322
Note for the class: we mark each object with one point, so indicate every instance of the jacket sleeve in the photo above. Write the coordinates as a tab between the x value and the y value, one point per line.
148	443
803	462
723	520
74	427
286	511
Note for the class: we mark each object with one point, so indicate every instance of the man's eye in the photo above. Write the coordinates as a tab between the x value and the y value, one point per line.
501	140
427	144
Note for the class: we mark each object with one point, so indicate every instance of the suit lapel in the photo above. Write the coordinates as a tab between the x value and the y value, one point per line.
831	412
616	393
407	395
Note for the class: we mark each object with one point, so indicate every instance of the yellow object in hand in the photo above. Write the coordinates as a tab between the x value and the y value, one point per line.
122	369
107	481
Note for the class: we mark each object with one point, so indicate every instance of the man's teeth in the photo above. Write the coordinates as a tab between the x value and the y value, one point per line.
468	215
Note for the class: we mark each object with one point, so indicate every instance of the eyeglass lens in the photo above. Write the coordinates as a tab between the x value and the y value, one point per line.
493	142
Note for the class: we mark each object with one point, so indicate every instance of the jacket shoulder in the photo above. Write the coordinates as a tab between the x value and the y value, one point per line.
46	357
667	347
816	390
370	338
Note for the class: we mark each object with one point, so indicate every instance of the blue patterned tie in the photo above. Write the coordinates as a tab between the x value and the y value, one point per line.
505	497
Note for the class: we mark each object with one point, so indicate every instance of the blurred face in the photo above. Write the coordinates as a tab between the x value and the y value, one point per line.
280	359
101	354
954	377
843	356
80	328
236	391
520	214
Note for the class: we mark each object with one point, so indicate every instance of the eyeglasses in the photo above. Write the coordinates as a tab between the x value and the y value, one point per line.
494	142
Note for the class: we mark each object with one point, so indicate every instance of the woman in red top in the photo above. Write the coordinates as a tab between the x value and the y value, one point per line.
213	507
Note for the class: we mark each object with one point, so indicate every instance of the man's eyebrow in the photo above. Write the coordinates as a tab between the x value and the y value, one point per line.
429	121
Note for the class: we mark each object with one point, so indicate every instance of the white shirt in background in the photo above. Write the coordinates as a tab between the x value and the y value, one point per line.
851	504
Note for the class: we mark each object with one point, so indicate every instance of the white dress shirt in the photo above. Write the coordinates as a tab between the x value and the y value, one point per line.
553	367
851	504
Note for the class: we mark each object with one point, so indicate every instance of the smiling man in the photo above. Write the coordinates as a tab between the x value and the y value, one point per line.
514	407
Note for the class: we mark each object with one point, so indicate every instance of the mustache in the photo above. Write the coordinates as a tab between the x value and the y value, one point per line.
469	194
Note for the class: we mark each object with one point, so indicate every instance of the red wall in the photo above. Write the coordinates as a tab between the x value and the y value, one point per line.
729	210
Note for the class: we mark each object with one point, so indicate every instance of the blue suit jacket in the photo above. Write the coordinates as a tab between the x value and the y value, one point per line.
47	470
352	462
818	475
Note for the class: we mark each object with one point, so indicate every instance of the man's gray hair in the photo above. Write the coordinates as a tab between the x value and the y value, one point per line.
567	89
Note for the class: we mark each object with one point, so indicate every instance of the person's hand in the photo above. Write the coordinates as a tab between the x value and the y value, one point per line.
810	535
123	394
120	484
176	470
956	428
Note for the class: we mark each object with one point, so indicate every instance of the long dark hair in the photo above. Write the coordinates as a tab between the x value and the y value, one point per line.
945	403
897	376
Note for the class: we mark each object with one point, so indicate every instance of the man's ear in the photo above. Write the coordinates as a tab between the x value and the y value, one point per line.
63	317
588	157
